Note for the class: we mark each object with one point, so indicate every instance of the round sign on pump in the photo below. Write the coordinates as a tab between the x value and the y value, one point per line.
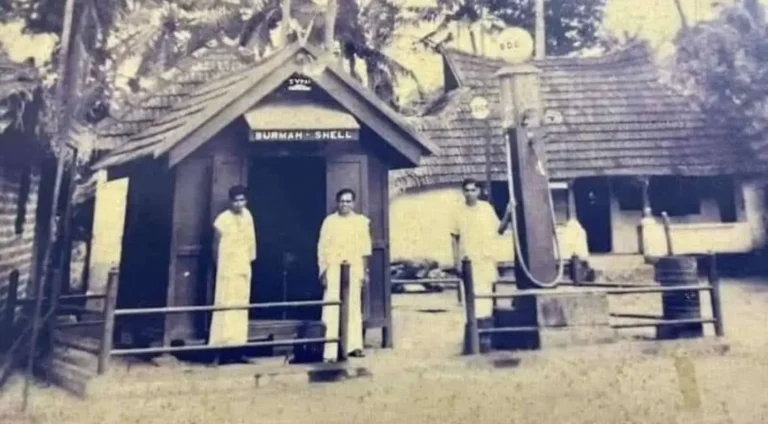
479	107
514	45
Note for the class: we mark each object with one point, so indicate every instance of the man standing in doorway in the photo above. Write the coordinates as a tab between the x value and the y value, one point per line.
234	249
475	227
344	236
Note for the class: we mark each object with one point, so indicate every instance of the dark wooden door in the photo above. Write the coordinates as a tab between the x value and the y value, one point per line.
347	171
593	210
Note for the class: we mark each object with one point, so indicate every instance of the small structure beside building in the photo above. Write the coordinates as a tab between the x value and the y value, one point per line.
294	130
620	147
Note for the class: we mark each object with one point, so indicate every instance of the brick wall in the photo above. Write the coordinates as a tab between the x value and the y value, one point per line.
16	249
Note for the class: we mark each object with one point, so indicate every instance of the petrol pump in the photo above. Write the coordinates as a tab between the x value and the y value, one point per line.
531	205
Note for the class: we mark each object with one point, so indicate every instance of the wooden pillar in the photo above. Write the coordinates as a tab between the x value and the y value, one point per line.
540	31
108	325
344	312
9	321
646	198
471	335
570	212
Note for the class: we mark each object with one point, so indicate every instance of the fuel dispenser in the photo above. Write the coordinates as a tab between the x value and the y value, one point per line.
531	205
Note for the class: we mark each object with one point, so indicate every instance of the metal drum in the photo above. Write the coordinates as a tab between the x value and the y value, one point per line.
679	271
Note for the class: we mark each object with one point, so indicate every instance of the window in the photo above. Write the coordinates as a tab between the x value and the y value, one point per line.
22	199
629	194
724	192
678	196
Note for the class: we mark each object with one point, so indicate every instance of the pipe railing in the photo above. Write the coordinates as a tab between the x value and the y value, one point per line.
106	350
472	332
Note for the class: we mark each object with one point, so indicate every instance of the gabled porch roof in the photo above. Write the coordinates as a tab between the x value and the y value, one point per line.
206	110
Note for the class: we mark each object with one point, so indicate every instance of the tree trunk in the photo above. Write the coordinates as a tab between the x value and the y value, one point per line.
284	23
683	19
330	24
64	92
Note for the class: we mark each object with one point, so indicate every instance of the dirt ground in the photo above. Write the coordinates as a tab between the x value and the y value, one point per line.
424	380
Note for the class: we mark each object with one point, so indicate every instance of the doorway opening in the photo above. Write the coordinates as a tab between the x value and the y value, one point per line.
593	210
287	200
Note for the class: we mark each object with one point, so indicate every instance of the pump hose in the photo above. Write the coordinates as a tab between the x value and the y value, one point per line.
516	237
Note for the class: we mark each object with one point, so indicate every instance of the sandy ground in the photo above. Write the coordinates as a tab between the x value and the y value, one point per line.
424	381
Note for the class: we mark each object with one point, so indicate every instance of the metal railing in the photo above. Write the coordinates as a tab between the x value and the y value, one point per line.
712	286
110	312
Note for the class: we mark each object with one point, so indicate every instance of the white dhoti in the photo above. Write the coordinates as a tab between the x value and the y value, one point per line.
331	314
343	238
231	327
484	275
476	228
237	249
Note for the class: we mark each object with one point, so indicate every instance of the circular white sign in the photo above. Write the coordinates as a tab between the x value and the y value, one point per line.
514	45
479	108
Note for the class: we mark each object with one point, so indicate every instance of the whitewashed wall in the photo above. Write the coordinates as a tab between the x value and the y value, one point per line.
420	224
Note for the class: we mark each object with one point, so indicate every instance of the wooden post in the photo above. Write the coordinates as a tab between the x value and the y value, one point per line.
471	336
646	198
714	281
668	232
540	36
571	210
460	292
10	308
108	327
576	269
344	312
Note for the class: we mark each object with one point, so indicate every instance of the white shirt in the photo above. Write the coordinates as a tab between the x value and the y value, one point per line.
343	238
477	228
237	245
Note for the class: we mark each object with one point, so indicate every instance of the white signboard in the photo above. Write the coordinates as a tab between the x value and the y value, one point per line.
479	108
514	45
304	135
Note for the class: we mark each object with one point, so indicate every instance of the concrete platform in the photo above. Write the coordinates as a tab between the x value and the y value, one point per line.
567	316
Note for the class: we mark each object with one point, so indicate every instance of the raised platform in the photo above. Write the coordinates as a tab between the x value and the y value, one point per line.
567	316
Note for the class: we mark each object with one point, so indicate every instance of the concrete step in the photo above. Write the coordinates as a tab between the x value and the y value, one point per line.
72	378
75	357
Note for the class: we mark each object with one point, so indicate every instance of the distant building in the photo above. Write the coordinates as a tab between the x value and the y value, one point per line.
618	141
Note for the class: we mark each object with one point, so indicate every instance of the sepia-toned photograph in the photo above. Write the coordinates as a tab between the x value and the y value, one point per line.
384	211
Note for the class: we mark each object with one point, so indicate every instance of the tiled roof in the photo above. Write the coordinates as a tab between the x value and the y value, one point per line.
617	119
196	92
171	87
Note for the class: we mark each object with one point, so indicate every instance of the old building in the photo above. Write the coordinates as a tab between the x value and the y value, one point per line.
618	141
294	129
22	162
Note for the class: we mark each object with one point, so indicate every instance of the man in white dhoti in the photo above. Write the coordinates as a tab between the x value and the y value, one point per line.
344	236
474	229
234	249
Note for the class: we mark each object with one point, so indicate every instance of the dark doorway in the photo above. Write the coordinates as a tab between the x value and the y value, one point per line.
593	210
287	199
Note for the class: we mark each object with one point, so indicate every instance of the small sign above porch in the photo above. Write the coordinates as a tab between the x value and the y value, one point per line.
300	120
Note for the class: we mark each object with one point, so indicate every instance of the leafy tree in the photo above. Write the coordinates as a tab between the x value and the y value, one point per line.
571	24
723	64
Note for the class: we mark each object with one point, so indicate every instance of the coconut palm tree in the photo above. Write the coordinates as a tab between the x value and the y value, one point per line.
152	35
